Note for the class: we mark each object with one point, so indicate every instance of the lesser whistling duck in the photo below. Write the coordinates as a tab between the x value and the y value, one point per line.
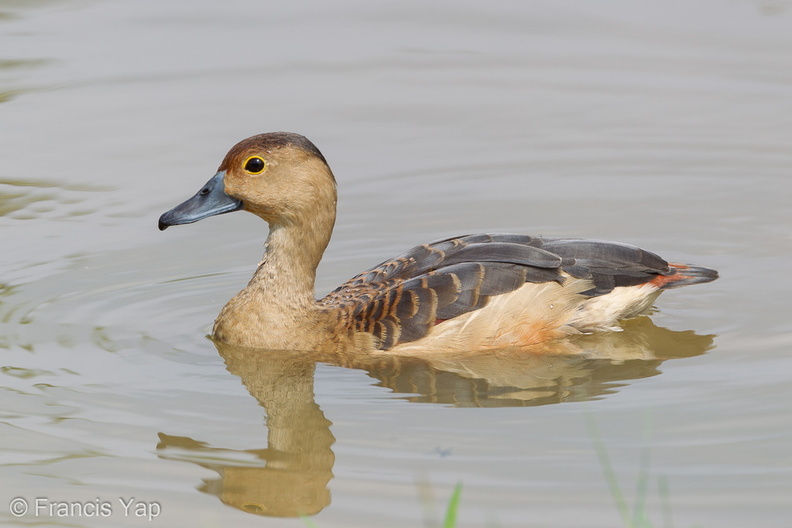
471	292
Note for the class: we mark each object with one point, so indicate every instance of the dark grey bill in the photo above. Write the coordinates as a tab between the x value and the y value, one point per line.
211	200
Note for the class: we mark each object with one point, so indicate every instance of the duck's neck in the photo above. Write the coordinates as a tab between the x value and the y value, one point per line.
287	273
277	309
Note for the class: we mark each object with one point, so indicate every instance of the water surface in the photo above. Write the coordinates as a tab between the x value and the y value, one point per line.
668	126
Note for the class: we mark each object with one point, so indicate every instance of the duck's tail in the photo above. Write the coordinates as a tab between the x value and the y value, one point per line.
684	275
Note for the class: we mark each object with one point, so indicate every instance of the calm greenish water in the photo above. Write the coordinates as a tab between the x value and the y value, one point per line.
665	125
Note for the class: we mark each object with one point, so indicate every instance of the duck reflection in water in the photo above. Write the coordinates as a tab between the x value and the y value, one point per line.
290	477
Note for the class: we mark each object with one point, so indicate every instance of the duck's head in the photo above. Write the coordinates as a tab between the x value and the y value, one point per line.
280	177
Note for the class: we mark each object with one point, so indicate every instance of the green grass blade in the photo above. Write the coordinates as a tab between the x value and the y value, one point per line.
640	516
665	494
308	522
607	469
640	519
428	505
453	506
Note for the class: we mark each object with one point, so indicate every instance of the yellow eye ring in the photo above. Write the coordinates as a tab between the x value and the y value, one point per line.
254	165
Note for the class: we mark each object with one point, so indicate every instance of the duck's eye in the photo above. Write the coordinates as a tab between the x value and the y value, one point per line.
254	165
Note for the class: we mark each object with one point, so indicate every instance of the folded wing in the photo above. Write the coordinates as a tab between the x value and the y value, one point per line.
401	299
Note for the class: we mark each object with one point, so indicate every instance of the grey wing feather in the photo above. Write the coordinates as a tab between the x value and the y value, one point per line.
607	264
